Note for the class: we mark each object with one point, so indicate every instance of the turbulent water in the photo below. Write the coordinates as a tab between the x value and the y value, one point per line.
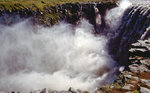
59	57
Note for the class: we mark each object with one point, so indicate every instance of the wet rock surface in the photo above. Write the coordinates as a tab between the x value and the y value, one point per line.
50	15
136	76
135	26
46	90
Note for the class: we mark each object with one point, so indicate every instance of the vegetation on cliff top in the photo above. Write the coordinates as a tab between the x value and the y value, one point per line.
48	11
42	3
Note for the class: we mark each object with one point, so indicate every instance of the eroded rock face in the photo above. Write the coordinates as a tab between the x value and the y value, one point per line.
136	76
50	15
140	48
135	25
70	90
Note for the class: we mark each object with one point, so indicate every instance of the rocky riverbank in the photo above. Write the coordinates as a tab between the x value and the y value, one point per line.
136	76
134	79
50	15
136	21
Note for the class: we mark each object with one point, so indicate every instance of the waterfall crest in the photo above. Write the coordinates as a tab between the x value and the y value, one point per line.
134	26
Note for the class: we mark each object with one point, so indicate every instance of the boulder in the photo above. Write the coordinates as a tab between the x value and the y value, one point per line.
128	87
146	82
144	90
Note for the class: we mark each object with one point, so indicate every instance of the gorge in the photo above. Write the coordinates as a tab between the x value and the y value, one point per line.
84	46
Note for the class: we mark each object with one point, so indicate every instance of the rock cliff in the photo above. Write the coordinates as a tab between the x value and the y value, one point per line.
135	26
50	15
136	76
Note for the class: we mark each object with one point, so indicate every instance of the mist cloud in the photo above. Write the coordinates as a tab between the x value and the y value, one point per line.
63	56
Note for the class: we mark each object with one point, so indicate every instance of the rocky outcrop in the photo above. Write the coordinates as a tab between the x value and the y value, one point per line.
141	48
49	15
135	25
136	77
130	46
46	90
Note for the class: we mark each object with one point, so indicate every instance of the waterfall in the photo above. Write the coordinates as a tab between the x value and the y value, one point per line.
135	25
58	57
84	50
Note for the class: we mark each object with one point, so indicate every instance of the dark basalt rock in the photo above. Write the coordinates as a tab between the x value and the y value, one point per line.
136	76
135	25
70	90
140	48
50	15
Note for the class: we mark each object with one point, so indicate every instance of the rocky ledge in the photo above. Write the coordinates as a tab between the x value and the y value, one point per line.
136	76
50	15
134	79
70	90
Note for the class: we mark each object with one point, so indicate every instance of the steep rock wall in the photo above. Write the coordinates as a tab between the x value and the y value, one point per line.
135	25
50	15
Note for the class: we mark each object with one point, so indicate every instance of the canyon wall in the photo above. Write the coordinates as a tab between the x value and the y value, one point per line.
134	25
50	15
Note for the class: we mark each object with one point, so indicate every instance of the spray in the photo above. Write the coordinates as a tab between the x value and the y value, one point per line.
59	57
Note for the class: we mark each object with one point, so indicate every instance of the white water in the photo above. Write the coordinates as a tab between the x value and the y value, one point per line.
63	56
57	58
114	16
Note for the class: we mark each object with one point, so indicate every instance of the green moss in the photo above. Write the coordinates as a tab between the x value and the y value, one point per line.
49	13
135	91
117	86
54	17
39	4
85	92
105	88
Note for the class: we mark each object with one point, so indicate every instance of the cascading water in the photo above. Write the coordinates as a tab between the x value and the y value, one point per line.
64	55
135	25
59	57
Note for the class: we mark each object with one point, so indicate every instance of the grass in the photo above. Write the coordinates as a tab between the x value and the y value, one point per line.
47	8
42	3
57	1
